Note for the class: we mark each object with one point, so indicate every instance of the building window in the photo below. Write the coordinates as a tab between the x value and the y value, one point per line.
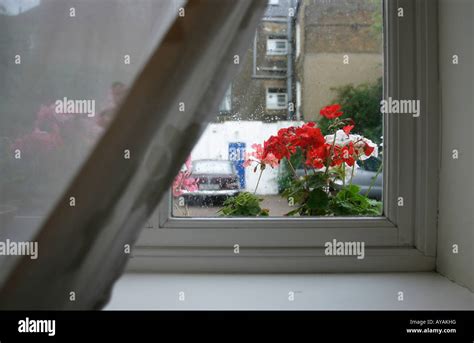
276	99
277	46
298	40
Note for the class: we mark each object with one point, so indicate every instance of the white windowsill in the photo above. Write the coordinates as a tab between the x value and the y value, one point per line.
422	291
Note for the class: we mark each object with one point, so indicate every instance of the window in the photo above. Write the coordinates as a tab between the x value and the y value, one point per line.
342	43
277	46
401	236
276	98
316	80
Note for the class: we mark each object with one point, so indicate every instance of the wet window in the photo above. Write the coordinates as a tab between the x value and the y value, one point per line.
65	66
301	134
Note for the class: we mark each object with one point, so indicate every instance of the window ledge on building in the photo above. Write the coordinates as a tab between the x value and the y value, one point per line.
380	291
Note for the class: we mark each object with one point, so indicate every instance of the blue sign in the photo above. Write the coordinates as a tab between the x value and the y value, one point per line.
237	156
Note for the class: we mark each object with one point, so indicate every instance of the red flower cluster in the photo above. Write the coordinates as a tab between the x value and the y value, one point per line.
317	152
307	137
317	157
343	154
331	111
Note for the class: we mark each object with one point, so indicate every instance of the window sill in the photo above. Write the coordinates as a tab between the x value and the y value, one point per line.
189	259
422	291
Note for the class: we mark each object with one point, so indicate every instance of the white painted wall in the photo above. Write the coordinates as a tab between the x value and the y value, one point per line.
214	144
456	193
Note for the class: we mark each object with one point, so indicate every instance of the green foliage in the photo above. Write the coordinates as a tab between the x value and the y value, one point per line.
377	19
243	205
286	174
308	194
362	104
312	197
349	202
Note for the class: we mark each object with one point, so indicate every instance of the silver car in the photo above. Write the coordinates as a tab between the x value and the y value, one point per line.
217	180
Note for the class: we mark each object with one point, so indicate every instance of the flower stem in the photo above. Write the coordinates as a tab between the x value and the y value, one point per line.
344	174
328	161
352	173
373	180
258	181
292	168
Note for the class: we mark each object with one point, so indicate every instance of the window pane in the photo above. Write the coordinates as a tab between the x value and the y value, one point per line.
65	66
306	55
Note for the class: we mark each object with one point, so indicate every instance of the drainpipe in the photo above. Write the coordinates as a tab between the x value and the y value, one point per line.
289	68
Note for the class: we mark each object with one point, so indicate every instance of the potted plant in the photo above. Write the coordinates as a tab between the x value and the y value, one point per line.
324	185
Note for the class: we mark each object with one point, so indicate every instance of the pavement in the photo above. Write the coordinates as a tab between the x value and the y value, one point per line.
277	205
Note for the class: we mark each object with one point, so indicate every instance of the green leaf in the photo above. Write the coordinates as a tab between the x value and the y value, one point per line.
245	204
317	199
353	189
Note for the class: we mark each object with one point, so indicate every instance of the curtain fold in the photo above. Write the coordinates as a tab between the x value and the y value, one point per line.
83	247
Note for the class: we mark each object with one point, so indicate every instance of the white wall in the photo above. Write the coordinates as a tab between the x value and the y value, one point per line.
456	224
214	144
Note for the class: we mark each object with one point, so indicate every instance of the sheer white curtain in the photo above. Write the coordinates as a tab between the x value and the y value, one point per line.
146	116
87	52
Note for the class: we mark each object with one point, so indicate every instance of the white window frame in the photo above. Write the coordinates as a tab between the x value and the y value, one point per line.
404	239
271	46
272	104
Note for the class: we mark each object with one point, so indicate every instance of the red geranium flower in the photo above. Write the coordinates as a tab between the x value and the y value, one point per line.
331	111
308	136
343	154
368	150
347	154
316	157
347	129
257	156
277	146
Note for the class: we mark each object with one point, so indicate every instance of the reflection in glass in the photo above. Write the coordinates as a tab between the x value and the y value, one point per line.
66	66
